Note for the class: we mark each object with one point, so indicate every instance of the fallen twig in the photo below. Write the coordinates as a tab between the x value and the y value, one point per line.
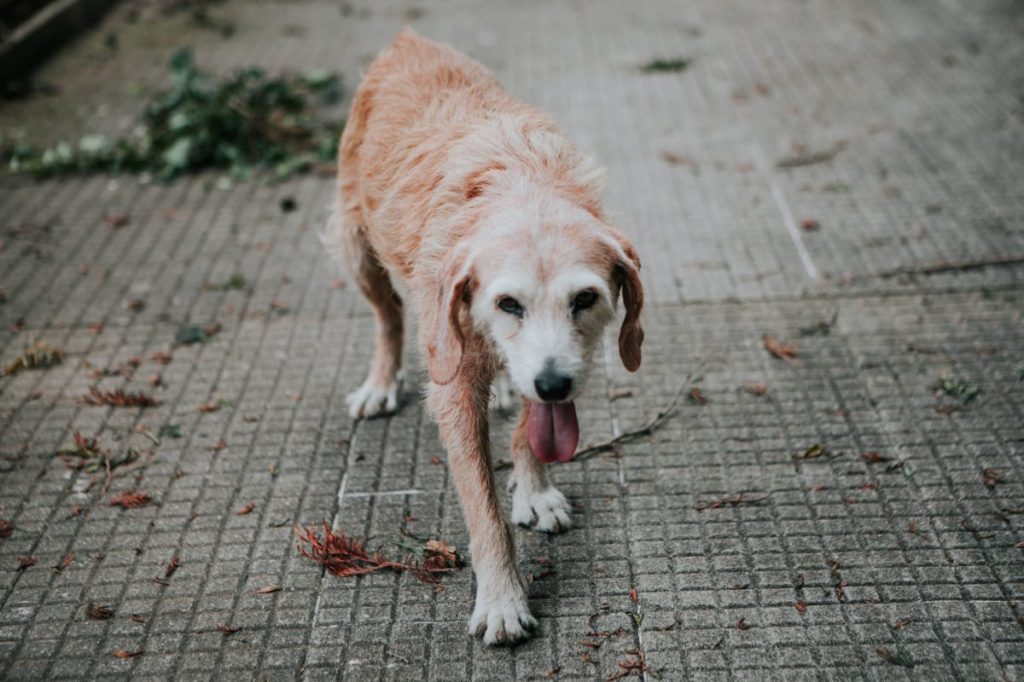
943	267
650	426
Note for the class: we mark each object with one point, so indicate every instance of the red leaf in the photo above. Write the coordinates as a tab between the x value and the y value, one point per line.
132	499
801	607
633	596
779	349
246	509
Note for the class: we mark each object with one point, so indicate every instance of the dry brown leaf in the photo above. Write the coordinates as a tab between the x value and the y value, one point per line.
219	445
208	407
136	618
118	398
697	397
98	612
902	623
172	566
873	457
801	607
227	629
742	624
25	562
161	357
633	595
756	389
116	220
246	508
267	589
991	478
131	499
780	349
124	653
345	556
6	528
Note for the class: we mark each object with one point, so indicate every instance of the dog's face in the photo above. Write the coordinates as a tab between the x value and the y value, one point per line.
542	292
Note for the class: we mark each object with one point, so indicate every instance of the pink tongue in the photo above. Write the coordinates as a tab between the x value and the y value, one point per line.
553	431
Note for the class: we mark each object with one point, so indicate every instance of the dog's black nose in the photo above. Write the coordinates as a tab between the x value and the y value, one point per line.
552	385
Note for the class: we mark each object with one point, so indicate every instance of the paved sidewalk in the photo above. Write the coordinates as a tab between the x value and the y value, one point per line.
752	554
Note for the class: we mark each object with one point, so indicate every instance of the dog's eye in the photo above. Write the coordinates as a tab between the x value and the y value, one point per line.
510	306
583	300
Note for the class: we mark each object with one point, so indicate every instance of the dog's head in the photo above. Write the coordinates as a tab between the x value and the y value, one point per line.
541	285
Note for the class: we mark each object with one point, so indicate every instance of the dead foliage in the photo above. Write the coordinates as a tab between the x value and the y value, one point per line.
838	584
124	653
172	566
805	157
780	349
118	398
902	623
742	624
161	357
131	499
636	663
246	508
737	500
756	389
38	355
809	225
801	607
873	457
992	477
227	629
816	451
697	397
345	556
267	589
899	657
97	612
6	528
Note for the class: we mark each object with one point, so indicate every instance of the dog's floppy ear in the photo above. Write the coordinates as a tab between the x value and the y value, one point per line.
631	335
444	349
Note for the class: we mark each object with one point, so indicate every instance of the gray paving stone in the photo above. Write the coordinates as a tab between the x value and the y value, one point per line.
925	101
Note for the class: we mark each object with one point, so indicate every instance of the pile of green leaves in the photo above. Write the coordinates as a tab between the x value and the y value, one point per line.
245	122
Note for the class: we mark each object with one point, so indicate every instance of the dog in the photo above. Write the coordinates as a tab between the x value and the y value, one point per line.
484	215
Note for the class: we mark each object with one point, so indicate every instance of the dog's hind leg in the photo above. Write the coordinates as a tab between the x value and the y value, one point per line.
380	392
535	502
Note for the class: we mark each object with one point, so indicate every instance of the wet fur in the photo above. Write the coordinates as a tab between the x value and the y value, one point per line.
445	181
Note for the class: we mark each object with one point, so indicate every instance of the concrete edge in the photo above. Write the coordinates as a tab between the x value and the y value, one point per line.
45	33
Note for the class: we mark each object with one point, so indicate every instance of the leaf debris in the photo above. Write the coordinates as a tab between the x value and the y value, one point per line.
816	451
992	477
737	500
98	612
124	653
227	629
809	158
118	398
131	499
780	349
957	388
38	355
346	556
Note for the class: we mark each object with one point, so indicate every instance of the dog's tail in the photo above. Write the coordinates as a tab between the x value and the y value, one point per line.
345	243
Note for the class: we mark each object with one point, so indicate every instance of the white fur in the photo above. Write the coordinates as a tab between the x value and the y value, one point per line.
501	611
371	400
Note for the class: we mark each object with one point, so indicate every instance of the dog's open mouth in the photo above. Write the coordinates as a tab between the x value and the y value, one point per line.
553	431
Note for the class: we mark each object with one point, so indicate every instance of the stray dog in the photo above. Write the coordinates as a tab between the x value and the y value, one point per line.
476	207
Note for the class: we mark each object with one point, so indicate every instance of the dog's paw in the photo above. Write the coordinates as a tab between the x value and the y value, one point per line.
502	619
504	398
372	400
546	511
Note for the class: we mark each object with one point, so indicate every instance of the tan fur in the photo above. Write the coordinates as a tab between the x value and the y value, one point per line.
432	146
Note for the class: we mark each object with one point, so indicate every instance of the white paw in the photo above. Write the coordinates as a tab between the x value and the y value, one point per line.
371	400
501	618
504	397
546	511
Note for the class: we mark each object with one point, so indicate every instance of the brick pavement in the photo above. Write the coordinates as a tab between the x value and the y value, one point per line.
925	97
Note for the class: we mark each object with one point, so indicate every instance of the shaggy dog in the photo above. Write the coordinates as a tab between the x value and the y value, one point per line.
475	206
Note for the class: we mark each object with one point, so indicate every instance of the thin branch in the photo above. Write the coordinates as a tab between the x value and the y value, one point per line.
648	428
945	266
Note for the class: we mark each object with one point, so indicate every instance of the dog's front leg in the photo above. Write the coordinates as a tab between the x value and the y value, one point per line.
501	614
